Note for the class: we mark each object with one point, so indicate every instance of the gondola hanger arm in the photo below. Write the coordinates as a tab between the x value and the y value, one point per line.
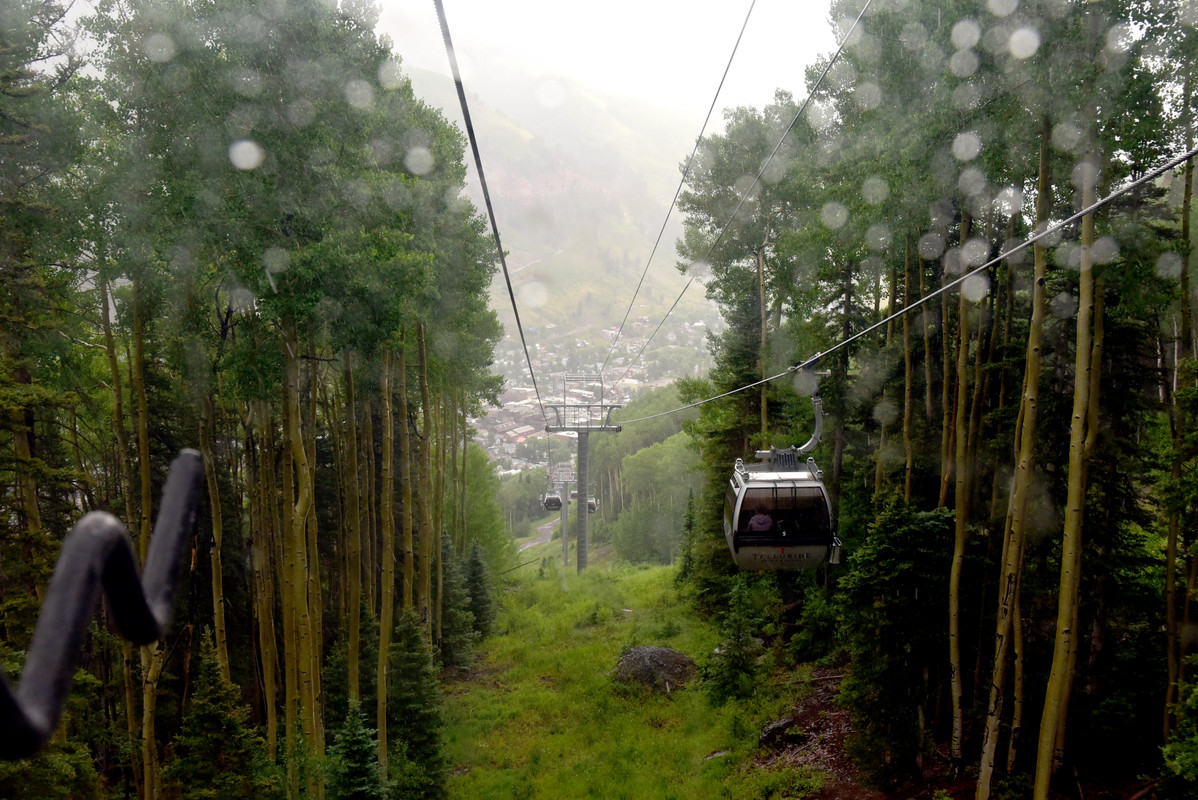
97	554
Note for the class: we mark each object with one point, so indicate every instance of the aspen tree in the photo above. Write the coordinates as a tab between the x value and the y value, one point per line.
1056	693
387	530
1016	520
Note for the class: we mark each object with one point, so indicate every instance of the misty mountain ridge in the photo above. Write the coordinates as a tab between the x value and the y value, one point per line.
580	182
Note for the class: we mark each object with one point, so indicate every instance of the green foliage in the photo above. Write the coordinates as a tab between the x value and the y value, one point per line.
732	672
353	765
1181	753
484	520
59	772
415	711
541	716
818	627
459	633
478	584
336	671
217	755
776	784
659	480
892	611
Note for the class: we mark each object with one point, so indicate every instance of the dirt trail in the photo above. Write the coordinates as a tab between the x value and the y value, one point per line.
544	534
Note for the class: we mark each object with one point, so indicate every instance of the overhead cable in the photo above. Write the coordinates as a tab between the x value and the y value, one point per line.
757	180
482	179
956	282
682	182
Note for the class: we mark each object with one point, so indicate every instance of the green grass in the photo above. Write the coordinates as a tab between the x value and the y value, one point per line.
543	718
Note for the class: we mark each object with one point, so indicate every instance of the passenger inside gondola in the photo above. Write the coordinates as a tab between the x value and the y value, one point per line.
760	522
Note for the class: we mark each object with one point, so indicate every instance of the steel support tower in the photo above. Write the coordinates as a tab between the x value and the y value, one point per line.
581	416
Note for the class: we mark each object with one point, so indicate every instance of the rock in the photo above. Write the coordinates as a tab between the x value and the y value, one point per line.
659	668
781	732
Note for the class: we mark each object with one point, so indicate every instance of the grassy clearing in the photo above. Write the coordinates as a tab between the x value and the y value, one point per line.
541	716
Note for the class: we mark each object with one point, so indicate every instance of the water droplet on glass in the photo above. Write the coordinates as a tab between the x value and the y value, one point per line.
1052	236
966	97
276	260
1169	265
842	75
551	93
972	181
1105	250
1009	200
381	150
976	251
967	146
1069	254
1066	136
1002	8
301	113
1119	38
250	28
953	263
878	237
805	383
875	190
357	193
820	115
1063	306
868	95
914	36
390	74
396	194
975	287
845	26
158	47
966	34
963	63
246	154
834	215
1024	42
247	82
931	245
1085	175
359	94
1188	14
774	170
533	294
419	161
886	411
242	299
872	265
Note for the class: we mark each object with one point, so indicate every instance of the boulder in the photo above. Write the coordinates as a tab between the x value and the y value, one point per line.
659	668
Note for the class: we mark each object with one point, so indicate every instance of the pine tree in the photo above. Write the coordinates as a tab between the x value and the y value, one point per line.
731	673
479	585
414	713
217	754
353	764
458	634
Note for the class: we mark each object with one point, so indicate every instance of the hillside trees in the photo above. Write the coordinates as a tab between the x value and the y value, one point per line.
262	209
940	138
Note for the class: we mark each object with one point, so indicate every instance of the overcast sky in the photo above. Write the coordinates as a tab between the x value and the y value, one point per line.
668	52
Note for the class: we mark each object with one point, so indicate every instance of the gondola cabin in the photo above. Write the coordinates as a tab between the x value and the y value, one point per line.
777	515
592	504
552	501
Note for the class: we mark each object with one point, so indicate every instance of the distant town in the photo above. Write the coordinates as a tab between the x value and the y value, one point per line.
513	433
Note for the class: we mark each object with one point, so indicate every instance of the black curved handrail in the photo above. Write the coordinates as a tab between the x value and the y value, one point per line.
97	553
